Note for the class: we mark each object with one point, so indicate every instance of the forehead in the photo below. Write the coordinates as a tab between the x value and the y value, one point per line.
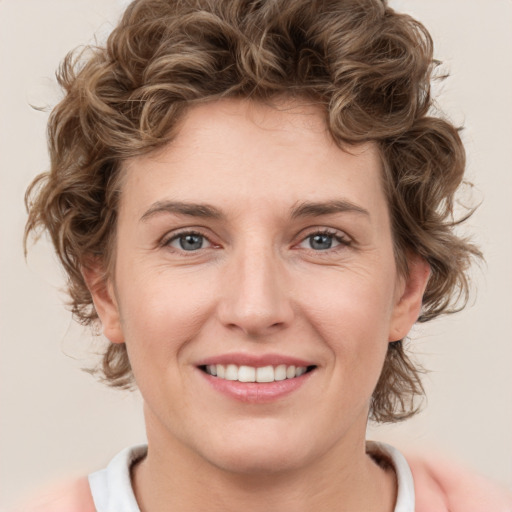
240	151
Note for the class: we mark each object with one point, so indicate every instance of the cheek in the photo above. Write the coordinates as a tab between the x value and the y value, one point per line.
349	303
160	315
352	315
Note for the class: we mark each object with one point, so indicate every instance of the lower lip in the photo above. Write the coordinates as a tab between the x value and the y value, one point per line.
256	392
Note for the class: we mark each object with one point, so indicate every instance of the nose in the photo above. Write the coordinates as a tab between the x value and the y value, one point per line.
255	297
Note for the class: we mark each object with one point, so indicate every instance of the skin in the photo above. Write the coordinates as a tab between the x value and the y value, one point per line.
257	286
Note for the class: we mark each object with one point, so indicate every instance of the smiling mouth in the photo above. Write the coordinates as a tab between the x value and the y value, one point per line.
260	374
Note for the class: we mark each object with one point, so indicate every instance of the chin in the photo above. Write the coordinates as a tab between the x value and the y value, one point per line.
263	452
258	462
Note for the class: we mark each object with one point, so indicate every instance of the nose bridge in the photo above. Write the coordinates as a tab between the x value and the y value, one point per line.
256	298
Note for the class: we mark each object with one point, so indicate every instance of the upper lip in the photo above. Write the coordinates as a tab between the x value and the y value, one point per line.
255	360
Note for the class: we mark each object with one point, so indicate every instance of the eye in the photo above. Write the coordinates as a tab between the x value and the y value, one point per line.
188	242
324	240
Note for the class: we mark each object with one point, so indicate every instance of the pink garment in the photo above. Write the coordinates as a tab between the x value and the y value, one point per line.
73	496
440	486
443	486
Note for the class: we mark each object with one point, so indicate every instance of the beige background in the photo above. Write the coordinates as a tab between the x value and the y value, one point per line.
56	421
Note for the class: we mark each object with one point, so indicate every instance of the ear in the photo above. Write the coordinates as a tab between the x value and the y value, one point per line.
105	303
409	297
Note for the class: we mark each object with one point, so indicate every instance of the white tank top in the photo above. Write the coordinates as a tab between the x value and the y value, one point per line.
112	490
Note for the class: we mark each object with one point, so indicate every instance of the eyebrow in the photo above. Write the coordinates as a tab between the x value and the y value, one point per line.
315	209
177	207
206	211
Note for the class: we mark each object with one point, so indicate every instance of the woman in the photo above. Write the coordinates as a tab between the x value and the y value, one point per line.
256	204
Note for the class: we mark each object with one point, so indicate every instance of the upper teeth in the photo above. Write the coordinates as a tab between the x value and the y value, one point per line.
253	374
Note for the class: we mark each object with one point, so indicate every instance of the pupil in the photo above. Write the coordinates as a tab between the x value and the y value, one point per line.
321	242
191	242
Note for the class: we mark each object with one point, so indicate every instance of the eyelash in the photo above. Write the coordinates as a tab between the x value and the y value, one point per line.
342	239
166	242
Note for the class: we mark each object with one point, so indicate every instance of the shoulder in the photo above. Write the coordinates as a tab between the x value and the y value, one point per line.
442	485
71	496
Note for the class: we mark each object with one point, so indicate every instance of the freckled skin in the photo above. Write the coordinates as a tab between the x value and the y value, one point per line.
258	284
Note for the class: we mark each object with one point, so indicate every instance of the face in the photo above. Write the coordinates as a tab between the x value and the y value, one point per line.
255	287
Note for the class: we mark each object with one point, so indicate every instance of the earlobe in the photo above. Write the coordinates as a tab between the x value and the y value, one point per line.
408	303
105	303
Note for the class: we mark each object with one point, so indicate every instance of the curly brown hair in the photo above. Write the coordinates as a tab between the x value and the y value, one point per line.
368	67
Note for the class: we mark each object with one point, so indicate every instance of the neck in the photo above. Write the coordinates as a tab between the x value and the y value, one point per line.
345	479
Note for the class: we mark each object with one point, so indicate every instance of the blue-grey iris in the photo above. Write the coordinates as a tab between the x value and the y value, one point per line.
321	242
191	242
